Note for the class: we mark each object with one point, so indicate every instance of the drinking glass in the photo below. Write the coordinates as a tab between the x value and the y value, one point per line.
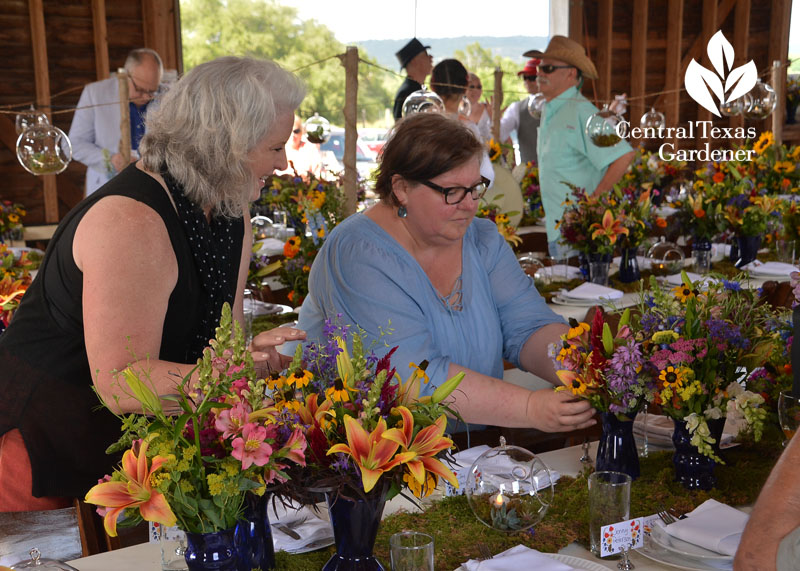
411	551
788	414
784	249
609	502
173	547
249	313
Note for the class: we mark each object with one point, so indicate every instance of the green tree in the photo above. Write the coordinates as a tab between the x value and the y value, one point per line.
262	28
483	62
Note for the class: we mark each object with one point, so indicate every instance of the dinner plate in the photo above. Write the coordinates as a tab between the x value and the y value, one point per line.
558	300
655	552
264	308
685	549
575	562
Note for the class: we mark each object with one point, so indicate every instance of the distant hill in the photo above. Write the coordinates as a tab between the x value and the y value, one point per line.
511	47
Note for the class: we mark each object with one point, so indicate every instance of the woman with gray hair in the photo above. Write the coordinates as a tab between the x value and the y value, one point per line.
137	274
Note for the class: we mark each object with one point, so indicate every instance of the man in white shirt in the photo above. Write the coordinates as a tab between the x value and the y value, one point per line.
517	118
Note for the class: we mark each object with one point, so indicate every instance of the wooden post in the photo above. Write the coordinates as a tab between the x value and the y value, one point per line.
638	61
778	84
741	31
350	129
603	53
497	103
673	80
99	31
124	117
709	27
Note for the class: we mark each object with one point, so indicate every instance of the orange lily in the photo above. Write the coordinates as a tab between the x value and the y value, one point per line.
610	228
312	411
371	452
427	444
133	491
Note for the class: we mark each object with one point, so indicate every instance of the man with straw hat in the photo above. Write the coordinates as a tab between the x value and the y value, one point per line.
418	63
565	152
517	118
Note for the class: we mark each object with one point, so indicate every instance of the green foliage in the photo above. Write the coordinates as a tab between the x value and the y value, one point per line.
265	29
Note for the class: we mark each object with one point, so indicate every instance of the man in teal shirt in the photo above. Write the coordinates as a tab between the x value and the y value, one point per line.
565	152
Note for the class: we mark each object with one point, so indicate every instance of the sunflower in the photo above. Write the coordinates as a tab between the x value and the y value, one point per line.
421	490
765	141
784	167
672	377
495	151
338	392
501	219
683	292
300	378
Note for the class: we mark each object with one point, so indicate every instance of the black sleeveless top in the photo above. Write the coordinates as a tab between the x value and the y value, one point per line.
46	388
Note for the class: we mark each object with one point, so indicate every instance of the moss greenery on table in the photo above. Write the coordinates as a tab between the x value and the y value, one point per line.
456	530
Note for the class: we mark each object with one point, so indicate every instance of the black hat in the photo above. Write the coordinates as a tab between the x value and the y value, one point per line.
410	51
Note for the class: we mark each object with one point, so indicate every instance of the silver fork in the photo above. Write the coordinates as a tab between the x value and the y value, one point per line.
666	517
484	551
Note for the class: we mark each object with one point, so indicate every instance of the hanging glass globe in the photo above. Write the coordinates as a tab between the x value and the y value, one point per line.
760	101
733	108
465	107
665	258
536	105
601	128
509	488
653	120
423	101
30	118
44	149
318	129
262	227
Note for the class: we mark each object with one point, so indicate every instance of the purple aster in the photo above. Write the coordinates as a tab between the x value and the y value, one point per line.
731	285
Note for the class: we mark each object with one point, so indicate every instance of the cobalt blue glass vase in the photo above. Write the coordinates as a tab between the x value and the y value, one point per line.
254	535
355	526
694	470
748	249
616	451
213	551
629	266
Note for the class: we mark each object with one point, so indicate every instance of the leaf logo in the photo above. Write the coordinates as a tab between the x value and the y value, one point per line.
701	82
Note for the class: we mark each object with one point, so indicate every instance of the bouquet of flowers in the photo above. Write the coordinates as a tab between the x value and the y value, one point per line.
491	211
699	340
364	424
648	172
603	368
313	208
193	462
775	166
11	215
700	211
792	90
532	193
638	216
591	225
749	214
15	278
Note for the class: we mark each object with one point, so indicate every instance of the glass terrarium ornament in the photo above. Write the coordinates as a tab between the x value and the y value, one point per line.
536	105
44	149
318	129
465	107
665	258
601	128
30	118
509	488
653	119
733	108
423	101
760	101
262	227
38	562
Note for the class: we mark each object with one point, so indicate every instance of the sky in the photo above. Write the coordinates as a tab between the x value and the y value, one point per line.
359	20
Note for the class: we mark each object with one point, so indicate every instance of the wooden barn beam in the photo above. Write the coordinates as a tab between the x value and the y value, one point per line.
741	33
605	25
638	60
674	77
100	33
709	28
576	21
39	48
159	17
780	18
8	133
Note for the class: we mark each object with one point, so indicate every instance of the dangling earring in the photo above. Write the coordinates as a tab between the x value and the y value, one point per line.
402	212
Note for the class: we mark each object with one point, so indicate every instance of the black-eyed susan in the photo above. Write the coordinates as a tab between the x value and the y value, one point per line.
576	329
321	232
672	377
338	392
300	378
683	292
276	381
572	381
419	370
291	247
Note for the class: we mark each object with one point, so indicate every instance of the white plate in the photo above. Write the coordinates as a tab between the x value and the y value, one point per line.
685	549
572	561
263	308
558	300
653	551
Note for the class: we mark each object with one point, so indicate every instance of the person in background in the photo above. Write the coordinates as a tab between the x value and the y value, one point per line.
564	151
95	129
137	274
445	282
303	157
418	63
480	112
517	118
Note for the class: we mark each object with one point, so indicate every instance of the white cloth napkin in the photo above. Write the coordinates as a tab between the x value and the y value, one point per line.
712	525
591	292
516	559
306	523
773	269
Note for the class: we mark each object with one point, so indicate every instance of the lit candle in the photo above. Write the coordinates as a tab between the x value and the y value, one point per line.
498	500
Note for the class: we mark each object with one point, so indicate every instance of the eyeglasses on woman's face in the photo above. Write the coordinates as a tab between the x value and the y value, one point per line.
455	194
549	68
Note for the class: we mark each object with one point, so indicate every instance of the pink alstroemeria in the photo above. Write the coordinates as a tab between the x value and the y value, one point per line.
427	444
231	420
134	491
370	451
611	228
250	447
295	448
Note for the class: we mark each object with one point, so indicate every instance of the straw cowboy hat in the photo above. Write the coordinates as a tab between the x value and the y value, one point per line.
568	51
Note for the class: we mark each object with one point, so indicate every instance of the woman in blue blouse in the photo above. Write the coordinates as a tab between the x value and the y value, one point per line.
446	283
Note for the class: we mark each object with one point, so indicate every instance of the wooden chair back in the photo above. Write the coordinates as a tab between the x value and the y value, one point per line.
55	533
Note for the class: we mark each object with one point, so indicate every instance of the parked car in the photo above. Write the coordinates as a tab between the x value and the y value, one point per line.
374	138
333	155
